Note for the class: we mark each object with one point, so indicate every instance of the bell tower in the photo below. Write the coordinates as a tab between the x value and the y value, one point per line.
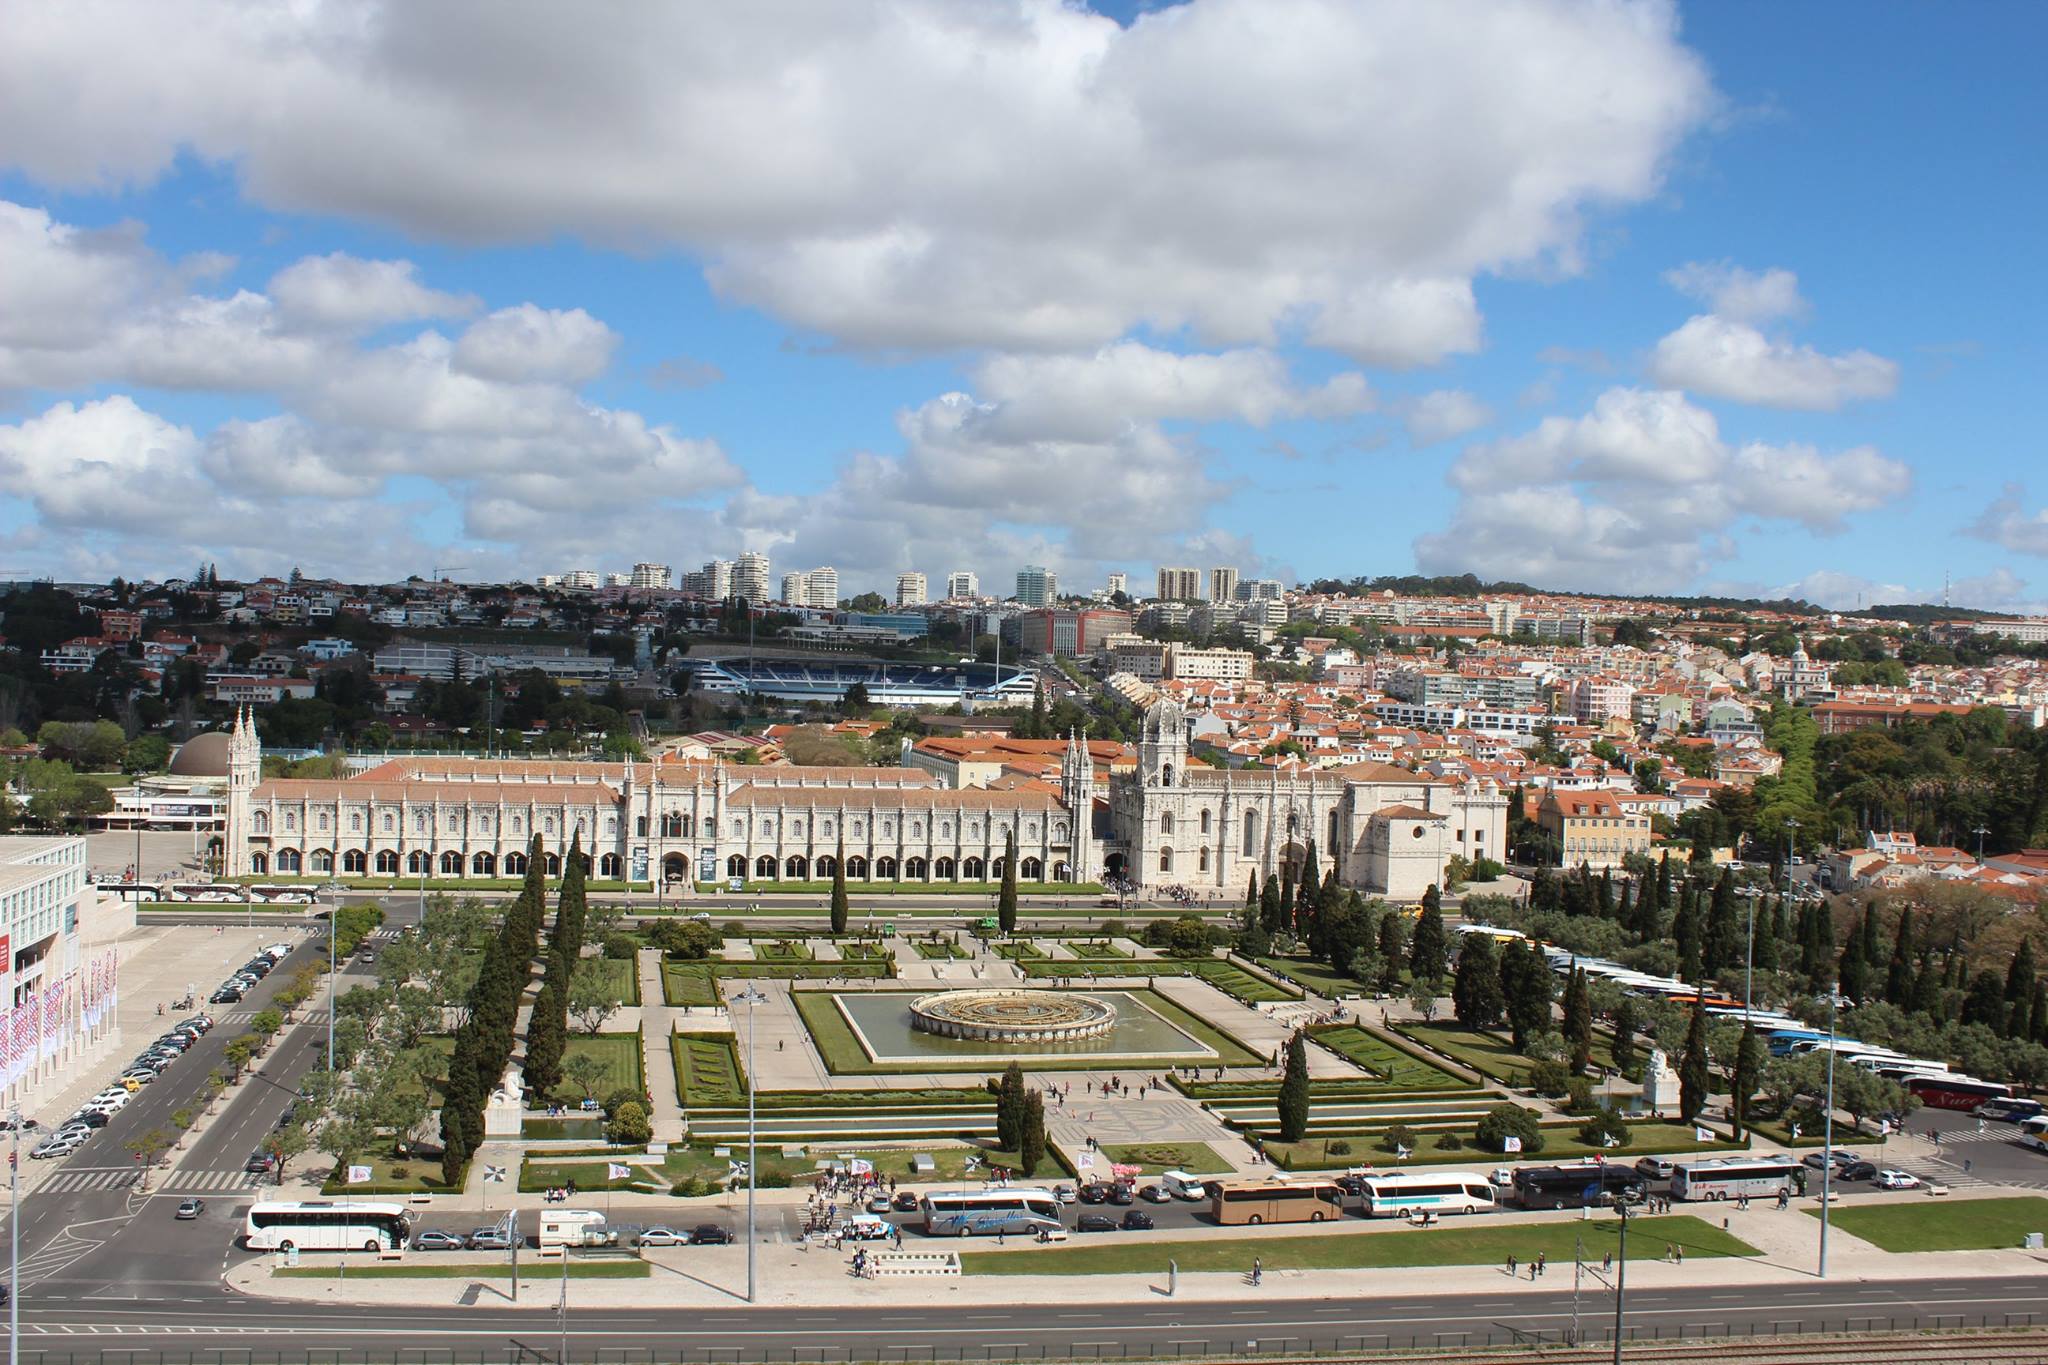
245	770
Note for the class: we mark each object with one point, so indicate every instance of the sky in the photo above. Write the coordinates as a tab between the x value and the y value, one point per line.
1619	296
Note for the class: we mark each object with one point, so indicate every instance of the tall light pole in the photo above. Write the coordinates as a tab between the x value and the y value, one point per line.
1620	1276
1827	1162
333	893
1752	895
14	1240
1980	832
750	997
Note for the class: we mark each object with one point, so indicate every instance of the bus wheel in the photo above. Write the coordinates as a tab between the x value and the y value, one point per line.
1316	1217
1255	1218
286	1245
372	1246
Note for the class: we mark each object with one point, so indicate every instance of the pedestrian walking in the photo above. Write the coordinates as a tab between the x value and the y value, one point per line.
1681	1255
1542	1263
1607	1263
1511	1267
1258	1270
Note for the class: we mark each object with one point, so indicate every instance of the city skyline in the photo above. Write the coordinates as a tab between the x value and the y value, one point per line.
1663	366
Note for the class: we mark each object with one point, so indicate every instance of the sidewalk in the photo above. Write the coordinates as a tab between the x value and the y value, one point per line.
657	1026
792	1276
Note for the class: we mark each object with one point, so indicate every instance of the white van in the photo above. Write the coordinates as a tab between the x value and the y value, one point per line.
572	1228
1181	1185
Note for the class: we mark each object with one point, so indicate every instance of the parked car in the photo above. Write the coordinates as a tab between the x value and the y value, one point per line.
1897	1180
28	1125
1155	1194
91	1118
202	1022
189	1209
434	1239
55	1147
1818	1160
1095	1222
226	995
1122	1193
1094	1192
906	1202
659	1237
1136	1220
1657	1167
1063	1193
710	1235
260	1163
880	1202
865	1227
489	1239
1858	1170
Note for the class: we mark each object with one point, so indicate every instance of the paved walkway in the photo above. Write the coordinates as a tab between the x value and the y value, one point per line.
657	1025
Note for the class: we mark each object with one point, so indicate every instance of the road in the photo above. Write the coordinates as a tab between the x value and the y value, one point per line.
1160	1326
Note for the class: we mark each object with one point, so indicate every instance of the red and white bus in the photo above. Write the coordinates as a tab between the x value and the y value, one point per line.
1955	1092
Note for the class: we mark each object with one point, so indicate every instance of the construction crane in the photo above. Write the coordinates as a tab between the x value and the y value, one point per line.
441	571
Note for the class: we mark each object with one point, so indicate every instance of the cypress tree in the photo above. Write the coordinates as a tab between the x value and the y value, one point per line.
839	906
1869	945
1606	906
1006	899
1526	981
1626	1024
1898	976
1010	1109
1624	910
1749	1062
1269	906
1330	898
1723	943
1855	968
1764	936
1927	983
1426	950
1305	894
1685	930
1251	901
1693	1077
1578	1020
1476	995
1038	711
1393	950
1287	896
2020	976
546	1039
1031	1137
2037	1013
1985	1002
1293	1102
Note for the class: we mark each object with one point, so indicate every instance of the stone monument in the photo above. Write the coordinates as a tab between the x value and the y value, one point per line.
502	1116
1660	1084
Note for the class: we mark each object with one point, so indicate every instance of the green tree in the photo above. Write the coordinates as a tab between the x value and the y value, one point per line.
1578	1020
1006	899
1505	1121
585	1071
1526	983
1294	1091
1748	1071
1724	937
1031	1141
1985	1001
1426	951
628	1126
1898	977
1476	995
1010	1109
839	904
1626	1026
1694	1079
1270	912
2020	976
591	997
546	1037
1854	974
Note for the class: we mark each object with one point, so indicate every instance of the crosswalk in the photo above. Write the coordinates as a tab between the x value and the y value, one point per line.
80	1179
200	1182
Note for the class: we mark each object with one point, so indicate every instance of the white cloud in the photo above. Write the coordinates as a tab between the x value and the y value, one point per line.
350	294
1640	494
2006	521
1737	294
1723	359
1092	396
1443	414
1999	590
1017	175
530	342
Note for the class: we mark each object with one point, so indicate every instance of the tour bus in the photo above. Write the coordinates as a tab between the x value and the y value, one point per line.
1731	1177
572	1228
326	1225
1275	1201
1439	1192
2010	1111
2034	1132
1017	1211
1955	1092
1577	1185
1783	1042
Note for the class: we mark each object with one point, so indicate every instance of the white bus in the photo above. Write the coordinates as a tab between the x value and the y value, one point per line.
966	1213
572	1228
325	1225
2034	1132
1440	1192
1731	1177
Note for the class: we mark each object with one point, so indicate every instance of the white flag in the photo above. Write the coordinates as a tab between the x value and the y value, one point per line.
1702	1135
359	1175
1511	1144
615	1171
735	1170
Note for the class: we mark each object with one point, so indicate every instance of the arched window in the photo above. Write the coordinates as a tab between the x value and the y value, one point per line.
796	828
1166	860
1059	831
515	864
322	861
1166	822
764	867
1331	841
888	829
451	864
608	867
1293	824
355	861
1031	829
972	870
287	862
547	824
826	829
768	829
1251	834
1031	870
417	862
859	828
827	865
483	865
885	869
291	820
736	865
687	822
640	827
671	826
483	824
453	820
323	822
387	863
1166	774
390	823
419	822
917	829
943	869
519	824
916	869
1059	872
857	868
355	822
261	822
553	866
1205	819
796	868
259	863
945	829
1202	858
739	828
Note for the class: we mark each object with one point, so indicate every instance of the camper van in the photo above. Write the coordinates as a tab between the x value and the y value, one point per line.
573	1228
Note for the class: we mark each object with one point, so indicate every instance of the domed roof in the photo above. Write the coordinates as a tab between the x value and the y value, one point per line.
203	755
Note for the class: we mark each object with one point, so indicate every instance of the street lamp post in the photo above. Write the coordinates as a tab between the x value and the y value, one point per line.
1980	832
333	893
1827	1164
14	1239
750	997
1620	1276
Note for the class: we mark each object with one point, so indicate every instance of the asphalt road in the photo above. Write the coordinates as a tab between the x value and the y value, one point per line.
1160	1326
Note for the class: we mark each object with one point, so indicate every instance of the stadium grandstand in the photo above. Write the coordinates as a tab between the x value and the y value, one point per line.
887	684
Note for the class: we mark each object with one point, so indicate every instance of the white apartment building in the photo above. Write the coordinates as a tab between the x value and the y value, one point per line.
1210	665
1179	585
1118	583
750	577
583	580
713	581
1222	585
649	576
56	1001
1597	697
910	590
818	589
961	583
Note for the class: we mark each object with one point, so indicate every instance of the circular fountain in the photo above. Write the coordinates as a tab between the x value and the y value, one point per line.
1012	1016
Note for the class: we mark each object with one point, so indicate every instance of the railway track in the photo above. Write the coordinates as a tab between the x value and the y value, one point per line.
2023	1346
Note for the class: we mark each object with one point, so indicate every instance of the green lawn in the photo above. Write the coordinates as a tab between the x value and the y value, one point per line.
1944	1224
1488	1054
939	950
707	1070
937	1097
1097	949
1234	980
1397	1068
782	950
844	1056
863	952
586	1176
1559	1144
391	1176
621	977
488	1270
1019	951
698	1162
1452	1243
620	1054
695	983
1310	974
1197	1158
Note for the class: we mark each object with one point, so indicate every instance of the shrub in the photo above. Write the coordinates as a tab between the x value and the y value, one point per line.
1579	1092
1605	1129
620	947
1504	1121
1397	1137
626	1095
1549	1078
1449	1142
773	1180
182	1118
401	1172
1339	1147
732	928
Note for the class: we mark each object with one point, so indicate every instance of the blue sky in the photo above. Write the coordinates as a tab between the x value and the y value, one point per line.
1729	297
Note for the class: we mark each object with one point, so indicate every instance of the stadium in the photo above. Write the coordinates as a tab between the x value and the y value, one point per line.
887	684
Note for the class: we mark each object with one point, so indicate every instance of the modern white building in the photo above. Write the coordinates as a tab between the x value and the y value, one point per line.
961	583
750	576
818	588
57	1000
1222	585
910	590
1118	583
1179	585
649	576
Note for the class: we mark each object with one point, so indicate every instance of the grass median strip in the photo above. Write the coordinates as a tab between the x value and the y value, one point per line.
1649	1239
1954	1225
499	1270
